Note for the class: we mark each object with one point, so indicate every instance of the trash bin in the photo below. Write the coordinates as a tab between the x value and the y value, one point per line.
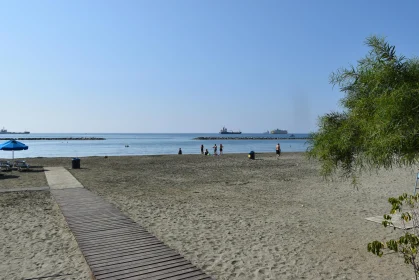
75	163
251	155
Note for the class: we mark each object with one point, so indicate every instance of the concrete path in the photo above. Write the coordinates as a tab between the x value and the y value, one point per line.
59	178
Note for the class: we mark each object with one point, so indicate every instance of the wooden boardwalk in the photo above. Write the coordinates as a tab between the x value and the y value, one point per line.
115	247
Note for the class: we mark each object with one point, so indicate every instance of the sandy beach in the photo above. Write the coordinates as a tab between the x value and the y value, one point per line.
233	217
35	240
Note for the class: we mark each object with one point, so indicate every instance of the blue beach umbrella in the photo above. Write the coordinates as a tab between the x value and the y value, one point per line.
13	145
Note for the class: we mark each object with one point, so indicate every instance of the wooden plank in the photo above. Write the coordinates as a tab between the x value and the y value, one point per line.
138	263
99	212
179	275
156	265
124	251
196	277
96	227
145	273
101	215
100	238
101	223
91	208
143	257
98	223
115	246
162	274
96	219
135	240
91	230
106	250
114	251
125	254
104	211
105	239
121	245
112	232
130	257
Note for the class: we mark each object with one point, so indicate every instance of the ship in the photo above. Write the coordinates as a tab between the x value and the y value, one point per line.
279	131
4	131
225	131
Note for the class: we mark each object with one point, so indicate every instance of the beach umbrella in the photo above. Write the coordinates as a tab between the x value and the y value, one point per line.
13	145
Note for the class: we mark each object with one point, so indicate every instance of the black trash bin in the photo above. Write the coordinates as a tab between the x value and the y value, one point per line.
75	163
251	155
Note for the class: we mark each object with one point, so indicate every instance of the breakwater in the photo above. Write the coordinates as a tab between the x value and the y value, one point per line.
59	138
250	138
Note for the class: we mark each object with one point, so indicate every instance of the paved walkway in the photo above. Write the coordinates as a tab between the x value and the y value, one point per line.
115	247
60	178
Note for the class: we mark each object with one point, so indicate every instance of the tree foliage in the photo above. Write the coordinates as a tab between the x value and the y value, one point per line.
406	245
379	124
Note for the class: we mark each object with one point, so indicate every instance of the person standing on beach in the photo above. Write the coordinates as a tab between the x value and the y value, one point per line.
278	150
215	149
202	149
221	149
180	151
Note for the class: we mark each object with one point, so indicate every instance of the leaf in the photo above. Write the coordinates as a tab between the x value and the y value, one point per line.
376	247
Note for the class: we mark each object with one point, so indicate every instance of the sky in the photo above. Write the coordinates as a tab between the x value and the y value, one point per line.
185	66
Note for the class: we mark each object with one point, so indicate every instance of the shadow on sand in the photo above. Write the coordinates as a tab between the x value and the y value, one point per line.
7	176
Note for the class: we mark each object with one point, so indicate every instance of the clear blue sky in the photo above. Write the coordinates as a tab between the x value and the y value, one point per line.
185	66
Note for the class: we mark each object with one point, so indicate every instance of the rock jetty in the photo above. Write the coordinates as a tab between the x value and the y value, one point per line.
59	138
250	138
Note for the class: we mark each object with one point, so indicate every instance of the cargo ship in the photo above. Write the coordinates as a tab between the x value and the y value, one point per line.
4	131
279	131
225	131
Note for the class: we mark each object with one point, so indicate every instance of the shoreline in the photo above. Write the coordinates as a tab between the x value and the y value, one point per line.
249	138
162	155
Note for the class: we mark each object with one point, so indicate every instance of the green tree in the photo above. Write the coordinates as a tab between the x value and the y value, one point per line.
379	124
378	128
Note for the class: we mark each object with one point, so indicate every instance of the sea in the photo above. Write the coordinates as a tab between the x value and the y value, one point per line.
127	144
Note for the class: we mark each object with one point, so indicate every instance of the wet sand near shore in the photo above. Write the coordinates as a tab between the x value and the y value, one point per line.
249	219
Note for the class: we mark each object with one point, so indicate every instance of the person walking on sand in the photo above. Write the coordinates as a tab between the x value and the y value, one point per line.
202	149
221	149
180	151
215	149
278	150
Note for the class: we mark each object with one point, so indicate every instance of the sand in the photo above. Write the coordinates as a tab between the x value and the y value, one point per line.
36	241
251	219
14	179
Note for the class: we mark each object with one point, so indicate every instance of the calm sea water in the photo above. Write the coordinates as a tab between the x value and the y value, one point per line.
145	144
